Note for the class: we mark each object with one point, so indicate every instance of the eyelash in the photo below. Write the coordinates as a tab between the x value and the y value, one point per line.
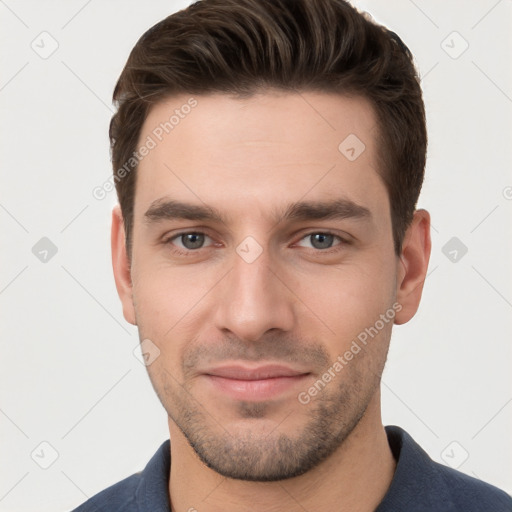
180	252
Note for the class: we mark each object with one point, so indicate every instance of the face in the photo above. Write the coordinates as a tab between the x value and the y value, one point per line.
263	271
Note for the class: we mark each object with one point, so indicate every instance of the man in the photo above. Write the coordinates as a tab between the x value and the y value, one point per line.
268	156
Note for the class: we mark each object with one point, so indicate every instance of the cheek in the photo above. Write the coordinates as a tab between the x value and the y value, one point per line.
351	298
154	300
167	301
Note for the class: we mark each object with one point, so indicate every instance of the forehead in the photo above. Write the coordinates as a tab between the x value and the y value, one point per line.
255	153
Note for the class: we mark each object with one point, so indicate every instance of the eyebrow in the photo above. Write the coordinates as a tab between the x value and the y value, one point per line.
338	209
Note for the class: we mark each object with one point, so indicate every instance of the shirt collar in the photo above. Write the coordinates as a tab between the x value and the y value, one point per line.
415	477
153	490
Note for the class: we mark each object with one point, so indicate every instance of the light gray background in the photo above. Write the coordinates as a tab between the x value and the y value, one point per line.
69	376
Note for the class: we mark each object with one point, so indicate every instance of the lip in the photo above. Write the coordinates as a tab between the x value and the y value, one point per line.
254	384
239	372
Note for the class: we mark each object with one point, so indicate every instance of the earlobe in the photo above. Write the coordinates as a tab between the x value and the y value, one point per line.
121	265
413	266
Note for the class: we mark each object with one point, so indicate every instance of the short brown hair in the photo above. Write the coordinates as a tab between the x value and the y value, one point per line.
241	47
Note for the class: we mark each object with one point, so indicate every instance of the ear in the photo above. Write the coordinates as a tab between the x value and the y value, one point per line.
413	266
121	265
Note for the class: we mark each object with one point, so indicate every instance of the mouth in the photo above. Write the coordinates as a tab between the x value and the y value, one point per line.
254	384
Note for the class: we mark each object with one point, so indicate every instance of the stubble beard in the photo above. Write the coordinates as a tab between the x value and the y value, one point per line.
248	454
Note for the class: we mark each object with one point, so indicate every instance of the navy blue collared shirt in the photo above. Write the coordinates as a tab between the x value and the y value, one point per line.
419	485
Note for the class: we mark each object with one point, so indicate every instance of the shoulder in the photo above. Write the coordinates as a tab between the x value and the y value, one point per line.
120	496
421	484
470	494
143	491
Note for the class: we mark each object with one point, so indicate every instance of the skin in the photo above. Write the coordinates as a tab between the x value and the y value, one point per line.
297	304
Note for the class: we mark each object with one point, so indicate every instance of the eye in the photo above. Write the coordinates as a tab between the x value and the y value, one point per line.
321	240
189	241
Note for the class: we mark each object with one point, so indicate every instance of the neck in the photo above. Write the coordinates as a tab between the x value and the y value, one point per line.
356	477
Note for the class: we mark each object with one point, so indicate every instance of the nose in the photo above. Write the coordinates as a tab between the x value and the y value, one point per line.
252	300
